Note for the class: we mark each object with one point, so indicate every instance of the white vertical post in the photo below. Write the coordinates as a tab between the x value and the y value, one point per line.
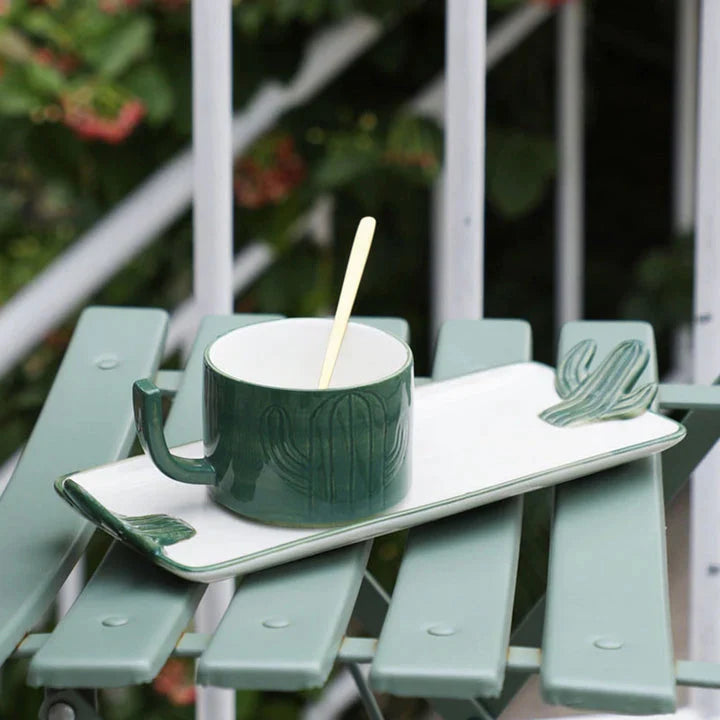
438	310
212	156
212	246
569	263
685	121
458	261
71	589
705	489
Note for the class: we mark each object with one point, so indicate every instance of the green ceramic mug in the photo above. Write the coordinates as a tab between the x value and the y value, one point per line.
279	450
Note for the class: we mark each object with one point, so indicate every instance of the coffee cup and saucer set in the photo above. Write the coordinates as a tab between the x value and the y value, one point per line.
285	470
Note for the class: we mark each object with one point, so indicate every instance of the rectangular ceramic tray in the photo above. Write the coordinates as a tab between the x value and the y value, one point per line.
476	439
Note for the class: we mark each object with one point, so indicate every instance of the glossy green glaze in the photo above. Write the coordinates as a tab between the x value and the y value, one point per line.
293	457
147	403
309	457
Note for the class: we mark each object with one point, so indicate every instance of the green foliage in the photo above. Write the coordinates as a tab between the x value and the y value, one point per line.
150	83
520	167
114	49
407	146
662	292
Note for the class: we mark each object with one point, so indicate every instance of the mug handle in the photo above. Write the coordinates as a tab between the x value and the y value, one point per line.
147	403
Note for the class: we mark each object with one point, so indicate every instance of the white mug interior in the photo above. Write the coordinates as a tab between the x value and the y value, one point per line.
289	354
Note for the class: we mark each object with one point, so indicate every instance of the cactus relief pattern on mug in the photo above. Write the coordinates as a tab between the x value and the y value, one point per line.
607	392
347	455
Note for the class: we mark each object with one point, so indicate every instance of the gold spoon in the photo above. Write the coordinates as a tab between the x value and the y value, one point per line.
351	282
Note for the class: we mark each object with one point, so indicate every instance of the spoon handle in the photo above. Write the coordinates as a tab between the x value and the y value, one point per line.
351	282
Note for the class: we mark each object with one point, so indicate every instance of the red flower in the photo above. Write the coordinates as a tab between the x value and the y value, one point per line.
269	179
423	160
175	682
88	124
64	62
115	6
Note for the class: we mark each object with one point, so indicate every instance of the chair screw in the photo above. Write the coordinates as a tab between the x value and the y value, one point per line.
61	711
107	361
115	621
441	630
276	623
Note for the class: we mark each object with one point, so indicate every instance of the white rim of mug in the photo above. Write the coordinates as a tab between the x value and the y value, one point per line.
407	363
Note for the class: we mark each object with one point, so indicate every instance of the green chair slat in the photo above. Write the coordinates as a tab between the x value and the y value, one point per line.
82	652
86	421
703	430
607	579
528	633
446	632
283	628
689	397
316	596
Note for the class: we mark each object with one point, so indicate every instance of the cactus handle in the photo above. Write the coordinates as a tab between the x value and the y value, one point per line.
147	403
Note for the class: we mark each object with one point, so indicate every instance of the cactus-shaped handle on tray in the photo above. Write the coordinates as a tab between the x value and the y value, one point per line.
607	392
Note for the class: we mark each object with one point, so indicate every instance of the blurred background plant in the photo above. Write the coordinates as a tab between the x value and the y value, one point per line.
95	95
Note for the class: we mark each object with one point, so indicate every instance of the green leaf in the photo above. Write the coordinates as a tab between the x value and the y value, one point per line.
14	45
288	10
44	79
313	10
247	704
519	168
45	24
414	146
349	156
149	83
250	17
17	97
113	52
17	100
